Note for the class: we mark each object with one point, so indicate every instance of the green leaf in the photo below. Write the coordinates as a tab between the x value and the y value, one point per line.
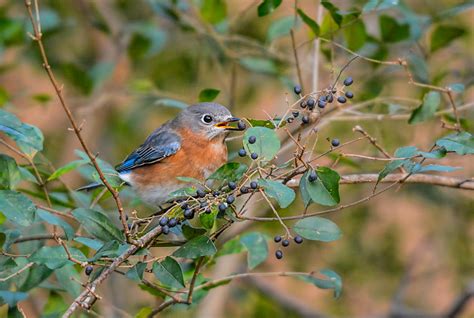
391	30
91	243
196	247
439	168
334	11
445	34
64	276
55	256
233	246
355	35
109	172
9	172
278	191
259	65
207	219
67	168
146	41
267	7
379	5
17	208
168	102
28	138
328	26
214	11
34	276
334	281
457	87
55	305
418	67
280	28
136	272
169	273
271	124
427	109
208	94
53	219
462	143
144	312
309	22
190	232
317	229
98	225
11	298
257	248
267	144
78	76
325	189
231	171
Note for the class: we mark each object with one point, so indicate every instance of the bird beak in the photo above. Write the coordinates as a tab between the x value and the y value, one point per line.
226	124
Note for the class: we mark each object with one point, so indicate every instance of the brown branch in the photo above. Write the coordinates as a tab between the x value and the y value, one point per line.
77	129
297	61
4	279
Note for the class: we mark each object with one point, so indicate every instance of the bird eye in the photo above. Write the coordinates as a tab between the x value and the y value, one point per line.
207	119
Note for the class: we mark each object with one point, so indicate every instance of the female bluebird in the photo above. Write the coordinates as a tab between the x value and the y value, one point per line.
190	145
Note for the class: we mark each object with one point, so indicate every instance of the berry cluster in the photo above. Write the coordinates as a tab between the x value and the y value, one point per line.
321	99
243	153
285	243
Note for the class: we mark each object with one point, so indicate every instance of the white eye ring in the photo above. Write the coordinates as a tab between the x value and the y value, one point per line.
207	119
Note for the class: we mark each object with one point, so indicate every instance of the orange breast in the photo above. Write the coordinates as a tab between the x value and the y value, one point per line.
197	158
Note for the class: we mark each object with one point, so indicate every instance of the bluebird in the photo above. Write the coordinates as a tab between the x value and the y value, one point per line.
190	145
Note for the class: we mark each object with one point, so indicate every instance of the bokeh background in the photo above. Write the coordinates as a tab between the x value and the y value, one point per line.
128	66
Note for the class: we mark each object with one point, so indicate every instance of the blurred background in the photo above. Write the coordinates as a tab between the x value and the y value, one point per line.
129	66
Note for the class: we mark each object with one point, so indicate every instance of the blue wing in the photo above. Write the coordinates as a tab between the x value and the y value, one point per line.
159	145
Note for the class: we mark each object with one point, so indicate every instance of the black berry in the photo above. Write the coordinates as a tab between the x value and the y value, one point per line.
305	119
341	99
241	125
216	193
188	214
242	152
322	104
297	89
89	270
165	229
285	243
335	142
277	239
184	205
303	104
279	254
172	222
252	139
222	207
348	81
230	199
254	185
253	156
330	98
232	185
298	239
349	94
290	120
200	193
312	176
296	114
164	221
244	190
310	102
207	210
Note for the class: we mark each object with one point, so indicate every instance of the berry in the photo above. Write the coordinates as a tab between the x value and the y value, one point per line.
241	125
310	102
207	210
285	243
335	142
222	207
253	155
184	205
89	270
297	89
279	254
322	104
230	199
252	139
244	190
296	114
303	104
290	120
312	176
164	221
254	185
232	185
165	229
305	119
330	98
216	193
298	239
277	239
129	226
349	94
341	99
242	152
188	214
334	91
200	193
172	222
348	81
